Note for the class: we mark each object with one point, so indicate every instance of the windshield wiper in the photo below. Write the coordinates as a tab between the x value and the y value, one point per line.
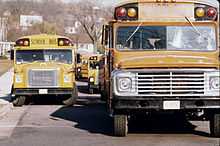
193	26
138	27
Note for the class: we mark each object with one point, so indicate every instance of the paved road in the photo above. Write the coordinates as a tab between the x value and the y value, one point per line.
87	124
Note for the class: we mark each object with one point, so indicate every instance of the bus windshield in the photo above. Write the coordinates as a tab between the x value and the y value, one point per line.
27	56
166	38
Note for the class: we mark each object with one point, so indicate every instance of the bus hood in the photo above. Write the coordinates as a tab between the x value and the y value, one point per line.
42	65
166	59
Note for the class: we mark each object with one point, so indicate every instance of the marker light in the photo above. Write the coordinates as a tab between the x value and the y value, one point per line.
61	43
132	12
22	42
200	12
121	12
211	12
64	42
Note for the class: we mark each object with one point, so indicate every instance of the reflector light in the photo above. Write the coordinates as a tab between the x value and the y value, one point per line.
211	12
132	12
200	12
121	12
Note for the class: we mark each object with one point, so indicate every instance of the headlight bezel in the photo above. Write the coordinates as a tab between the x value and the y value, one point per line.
123	75
208	79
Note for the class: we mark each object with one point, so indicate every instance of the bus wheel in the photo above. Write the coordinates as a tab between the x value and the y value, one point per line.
72	99
19	101
120	125
103	95
215	125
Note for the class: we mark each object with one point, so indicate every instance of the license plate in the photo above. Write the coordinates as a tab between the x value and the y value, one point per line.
169	105
43	91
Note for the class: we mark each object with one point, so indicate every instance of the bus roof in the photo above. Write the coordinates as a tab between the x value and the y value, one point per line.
214	3
42	36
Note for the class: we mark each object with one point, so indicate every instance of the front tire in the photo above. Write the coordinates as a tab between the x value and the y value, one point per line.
120	125
19	101
215	125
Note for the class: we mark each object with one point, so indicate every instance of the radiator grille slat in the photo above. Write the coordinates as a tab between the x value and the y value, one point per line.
170	83
42	78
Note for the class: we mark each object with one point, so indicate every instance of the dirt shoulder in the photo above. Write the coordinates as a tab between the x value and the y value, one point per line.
5	65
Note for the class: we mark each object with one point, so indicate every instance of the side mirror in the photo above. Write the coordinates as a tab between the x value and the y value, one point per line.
12	54
105	34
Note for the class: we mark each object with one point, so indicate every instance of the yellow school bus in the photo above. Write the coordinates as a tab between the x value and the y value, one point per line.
163	56
44	65
95	69
84	66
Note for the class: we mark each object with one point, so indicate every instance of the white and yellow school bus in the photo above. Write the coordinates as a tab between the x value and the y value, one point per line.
163	55
44	65
95	71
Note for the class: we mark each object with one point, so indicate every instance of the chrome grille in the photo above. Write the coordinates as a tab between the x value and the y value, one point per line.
171	83
42	78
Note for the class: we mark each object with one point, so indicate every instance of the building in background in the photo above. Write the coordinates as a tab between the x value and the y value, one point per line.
3	29
28	21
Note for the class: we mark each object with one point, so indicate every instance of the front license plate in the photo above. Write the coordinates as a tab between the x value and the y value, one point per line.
169	105
43	91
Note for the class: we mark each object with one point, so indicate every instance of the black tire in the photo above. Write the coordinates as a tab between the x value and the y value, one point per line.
19	101
215	125
103	96
120	125
72	99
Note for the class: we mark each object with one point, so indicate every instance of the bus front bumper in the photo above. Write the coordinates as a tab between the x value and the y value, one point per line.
50	91
159	103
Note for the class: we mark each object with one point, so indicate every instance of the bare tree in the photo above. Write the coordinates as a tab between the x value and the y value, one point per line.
91	17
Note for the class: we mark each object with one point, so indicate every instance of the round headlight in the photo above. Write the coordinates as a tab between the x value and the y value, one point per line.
214	83
91	79
124	84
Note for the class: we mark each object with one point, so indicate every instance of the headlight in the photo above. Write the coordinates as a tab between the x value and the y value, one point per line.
67	79
18	79
91	79
214	83
124	84
79	69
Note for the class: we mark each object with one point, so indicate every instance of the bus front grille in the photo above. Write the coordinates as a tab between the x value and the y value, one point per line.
171	83
42	78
